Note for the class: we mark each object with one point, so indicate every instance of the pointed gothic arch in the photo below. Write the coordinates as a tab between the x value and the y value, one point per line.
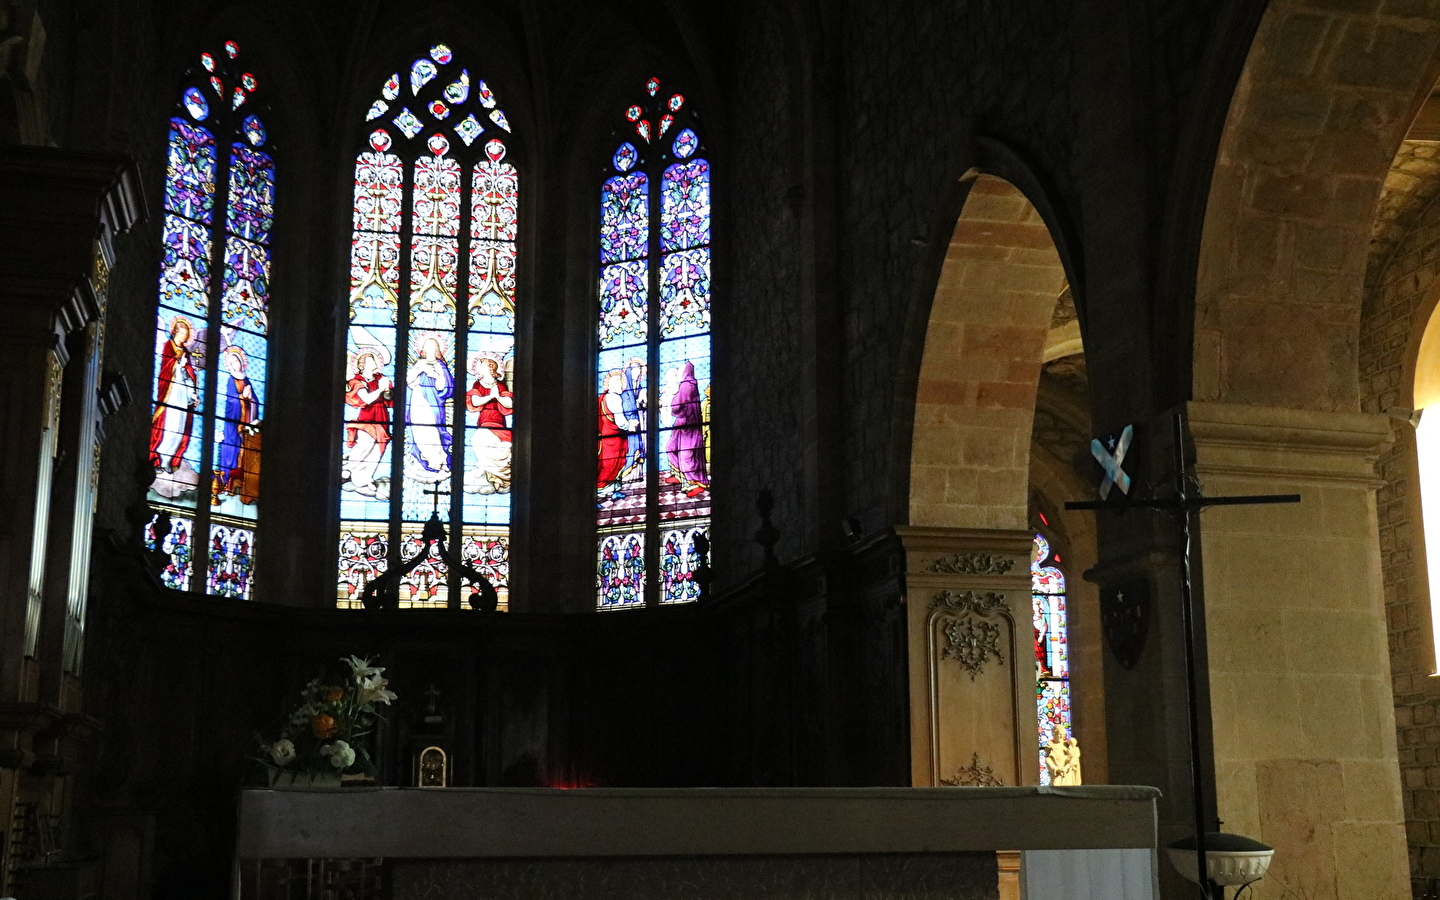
432	282
212	331
653	490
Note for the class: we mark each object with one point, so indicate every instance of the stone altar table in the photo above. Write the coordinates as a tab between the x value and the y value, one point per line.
683	844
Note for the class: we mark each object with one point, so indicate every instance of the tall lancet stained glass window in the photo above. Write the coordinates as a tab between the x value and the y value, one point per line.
208	400
1052	649
430	349
653	483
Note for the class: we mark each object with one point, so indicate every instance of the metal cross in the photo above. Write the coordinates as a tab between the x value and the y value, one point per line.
437	493
1188	501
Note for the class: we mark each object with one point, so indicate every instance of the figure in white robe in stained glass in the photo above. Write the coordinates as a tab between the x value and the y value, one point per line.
430	387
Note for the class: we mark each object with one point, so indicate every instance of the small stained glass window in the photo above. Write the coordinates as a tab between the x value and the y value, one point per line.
212	336
1052	652
653	361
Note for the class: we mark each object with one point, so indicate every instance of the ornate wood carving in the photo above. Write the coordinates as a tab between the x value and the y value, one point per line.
972	564
969	641
974	775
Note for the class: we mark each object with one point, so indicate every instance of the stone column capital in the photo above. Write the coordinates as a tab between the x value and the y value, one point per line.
1293	444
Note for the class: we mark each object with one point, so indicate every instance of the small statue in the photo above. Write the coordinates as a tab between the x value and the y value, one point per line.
1062	758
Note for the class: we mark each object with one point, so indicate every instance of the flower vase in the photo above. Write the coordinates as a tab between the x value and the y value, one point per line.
287	780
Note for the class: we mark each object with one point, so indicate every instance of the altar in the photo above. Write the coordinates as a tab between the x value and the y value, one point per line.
694	843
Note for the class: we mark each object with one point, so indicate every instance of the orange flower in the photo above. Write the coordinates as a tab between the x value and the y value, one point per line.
335	694
323	726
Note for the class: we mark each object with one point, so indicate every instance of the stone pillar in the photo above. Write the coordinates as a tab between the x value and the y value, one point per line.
58	212
1298	668
971	661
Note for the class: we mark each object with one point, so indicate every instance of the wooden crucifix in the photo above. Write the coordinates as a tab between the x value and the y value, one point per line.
1187	503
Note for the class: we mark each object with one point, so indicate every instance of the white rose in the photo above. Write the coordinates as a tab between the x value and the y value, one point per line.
341	754
283	752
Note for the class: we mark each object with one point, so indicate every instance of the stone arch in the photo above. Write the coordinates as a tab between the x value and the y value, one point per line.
1299	222
984	343
1321	107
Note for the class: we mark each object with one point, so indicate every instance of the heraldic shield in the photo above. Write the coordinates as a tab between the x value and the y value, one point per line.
1125	615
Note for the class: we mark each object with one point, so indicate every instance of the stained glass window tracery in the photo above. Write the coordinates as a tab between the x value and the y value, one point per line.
430	349
1052	646
653	482
211	344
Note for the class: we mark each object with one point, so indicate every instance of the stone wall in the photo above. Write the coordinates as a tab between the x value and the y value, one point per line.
1394	315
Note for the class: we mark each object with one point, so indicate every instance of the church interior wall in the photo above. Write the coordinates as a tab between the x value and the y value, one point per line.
841	135
1399	301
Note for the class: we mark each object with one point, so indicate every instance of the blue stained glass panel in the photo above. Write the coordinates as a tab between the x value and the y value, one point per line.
429	420
469	128
621	419
251	206
685	205
459	89
421	74
377	109
255	131
498	117
176	408
686	143
685	293
369	422
246	351
245	285
489	420
678	562
185	266
232	561
620	579
195	104
624	218
408	124
190	172
176	546
624	301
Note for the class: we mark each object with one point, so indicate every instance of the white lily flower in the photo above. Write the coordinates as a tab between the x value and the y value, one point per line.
376	694
283	752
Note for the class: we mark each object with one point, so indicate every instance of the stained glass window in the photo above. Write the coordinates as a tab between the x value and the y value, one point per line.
211	331
653	480
1052	654
430	349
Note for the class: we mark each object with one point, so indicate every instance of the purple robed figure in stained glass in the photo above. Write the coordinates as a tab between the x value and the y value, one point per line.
686	446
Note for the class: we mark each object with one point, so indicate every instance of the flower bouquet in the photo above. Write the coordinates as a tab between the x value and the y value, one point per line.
321	739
